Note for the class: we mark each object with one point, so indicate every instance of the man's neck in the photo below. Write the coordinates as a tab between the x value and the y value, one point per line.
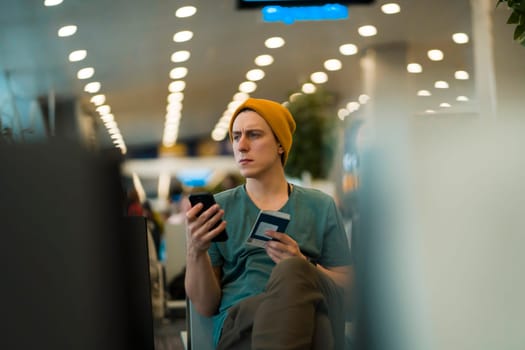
268	194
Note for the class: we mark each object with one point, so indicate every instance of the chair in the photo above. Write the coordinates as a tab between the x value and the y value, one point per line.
199	329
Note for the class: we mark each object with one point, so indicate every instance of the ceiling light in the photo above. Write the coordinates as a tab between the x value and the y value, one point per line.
77	55
240	96
348	49
85	73
175	97
104	109
263	60
52	2
98	100
178	72
343	113
440	84
333	64
107	118
293	97
274	43
424	93
180	56
461	75
110	124
174	106
367	31
462	98
435	55
177	86
92	87
460	38
308	88
233	105
391	8
445	105
353	106
363	99
255	74
182	36
247	87
185	11
430	111
414	68
67	31
218	134
319	77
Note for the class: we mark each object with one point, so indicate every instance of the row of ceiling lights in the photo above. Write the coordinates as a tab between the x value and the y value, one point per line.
249	86
177	84
93	87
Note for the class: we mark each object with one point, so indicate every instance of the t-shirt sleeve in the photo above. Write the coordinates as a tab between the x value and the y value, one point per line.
215	255
336	250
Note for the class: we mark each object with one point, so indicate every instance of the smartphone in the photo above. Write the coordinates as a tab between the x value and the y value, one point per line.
207	199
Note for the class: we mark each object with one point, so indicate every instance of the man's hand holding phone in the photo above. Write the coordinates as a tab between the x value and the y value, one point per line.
207	221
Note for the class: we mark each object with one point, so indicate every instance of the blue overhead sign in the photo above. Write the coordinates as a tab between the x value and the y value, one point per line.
288	15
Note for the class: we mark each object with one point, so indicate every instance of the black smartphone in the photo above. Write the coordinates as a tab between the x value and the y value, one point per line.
207	199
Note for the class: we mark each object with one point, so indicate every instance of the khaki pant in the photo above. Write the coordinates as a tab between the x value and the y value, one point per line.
301	308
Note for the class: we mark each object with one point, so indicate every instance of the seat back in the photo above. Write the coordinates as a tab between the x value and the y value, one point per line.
200	329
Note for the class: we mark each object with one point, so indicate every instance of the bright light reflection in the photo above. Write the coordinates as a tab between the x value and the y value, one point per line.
445	105
247	87
98	100
85	73
424	93
308	88
460	38
414	68
391	8
255	74
319	77
92	87
462	98
52	2
440	84
177	86
461	75
178	72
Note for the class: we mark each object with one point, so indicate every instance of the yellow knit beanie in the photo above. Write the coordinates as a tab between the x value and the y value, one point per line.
276	115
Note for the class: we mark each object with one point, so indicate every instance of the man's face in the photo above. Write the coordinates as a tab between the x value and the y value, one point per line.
255	148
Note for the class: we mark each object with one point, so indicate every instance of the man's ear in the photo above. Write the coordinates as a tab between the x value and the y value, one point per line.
280	149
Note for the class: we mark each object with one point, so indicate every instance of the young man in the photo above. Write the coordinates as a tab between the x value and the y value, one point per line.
287	295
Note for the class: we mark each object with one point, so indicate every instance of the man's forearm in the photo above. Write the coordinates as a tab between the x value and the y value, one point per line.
202	286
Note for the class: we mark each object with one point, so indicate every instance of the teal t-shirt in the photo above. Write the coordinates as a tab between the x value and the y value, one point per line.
316	225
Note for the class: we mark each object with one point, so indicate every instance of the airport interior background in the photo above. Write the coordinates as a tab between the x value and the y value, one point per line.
410	114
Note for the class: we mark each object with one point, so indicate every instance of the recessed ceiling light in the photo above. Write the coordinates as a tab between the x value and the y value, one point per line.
104	109
85	73
414	68
440	84
333	64
178	72
183	36
308	88
462	98
185	11
435	55
255	74
52	2
430	111
460	38
263	60
445	105
391	8
274	42
98	100
77	55
175	97
177	86
368	30
67	31
461	75
247	87
343	113
92	87
353	106
424	93
319	77
363	99
180	56
348	49
240	96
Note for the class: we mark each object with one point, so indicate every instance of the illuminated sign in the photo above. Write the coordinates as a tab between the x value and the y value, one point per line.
288	15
